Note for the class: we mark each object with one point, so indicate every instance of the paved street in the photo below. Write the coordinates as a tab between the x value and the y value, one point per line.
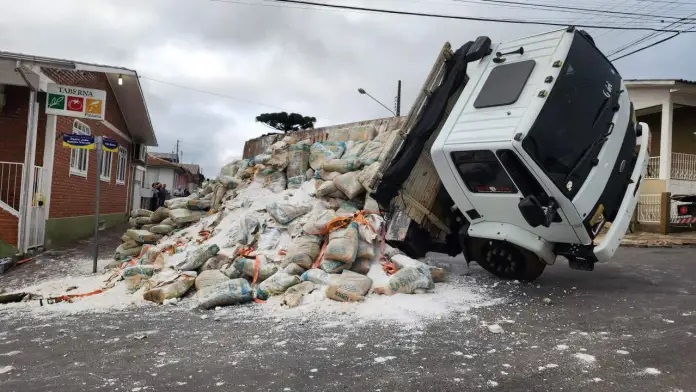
601	332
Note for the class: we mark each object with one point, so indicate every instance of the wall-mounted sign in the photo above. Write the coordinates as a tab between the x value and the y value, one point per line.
109	145
75	101
75	140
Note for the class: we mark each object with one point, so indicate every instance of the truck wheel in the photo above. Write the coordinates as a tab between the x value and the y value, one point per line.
508	261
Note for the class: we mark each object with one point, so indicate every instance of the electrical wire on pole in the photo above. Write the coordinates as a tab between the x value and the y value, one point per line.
459	17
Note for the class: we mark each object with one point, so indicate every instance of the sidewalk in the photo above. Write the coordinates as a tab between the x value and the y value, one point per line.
70	260
654	240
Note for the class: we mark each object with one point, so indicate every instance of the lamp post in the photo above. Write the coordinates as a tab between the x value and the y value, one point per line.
397	100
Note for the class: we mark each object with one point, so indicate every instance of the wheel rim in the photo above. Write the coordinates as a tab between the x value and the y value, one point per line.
503	259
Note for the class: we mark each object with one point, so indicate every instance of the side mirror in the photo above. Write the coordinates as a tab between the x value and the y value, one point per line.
479	49
535	214
532	211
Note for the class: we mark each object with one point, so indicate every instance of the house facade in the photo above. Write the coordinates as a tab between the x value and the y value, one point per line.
47	191
668	106
168	173
165	169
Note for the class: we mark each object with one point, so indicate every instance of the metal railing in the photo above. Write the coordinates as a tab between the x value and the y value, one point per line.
11	184
683	166
649	208
653	167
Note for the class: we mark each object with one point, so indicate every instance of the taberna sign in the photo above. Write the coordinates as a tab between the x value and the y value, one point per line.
74	140
109	145
75	101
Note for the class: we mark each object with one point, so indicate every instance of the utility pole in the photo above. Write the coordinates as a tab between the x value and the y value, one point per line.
398	99
98	145
177	150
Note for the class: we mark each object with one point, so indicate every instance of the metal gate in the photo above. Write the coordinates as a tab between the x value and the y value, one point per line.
37	210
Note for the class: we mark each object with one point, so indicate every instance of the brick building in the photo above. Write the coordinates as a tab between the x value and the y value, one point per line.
47	191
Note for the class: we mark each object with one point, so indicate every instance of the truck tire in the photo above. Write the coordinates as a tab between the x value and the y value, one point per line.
508	261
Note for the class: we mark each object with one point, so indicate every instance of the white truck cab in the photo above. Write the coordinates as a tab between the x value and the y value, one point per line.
540	150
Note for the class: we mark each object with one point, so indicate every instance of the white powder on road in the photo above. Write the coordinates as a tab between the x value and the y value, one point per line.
384	359
586	358
11	353
622	352
492	383
6	369
457	296
562	347
651	371
114	298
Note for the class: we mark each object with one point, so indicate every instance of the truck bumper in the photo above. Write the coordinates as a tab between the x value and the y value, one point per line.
612	240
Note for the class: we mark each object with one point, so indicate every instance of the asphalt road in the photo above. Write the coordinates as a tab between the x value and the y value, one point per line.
602	331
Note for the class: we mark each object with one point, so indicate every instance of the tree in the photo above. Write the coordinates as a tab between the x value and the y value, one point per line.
285	122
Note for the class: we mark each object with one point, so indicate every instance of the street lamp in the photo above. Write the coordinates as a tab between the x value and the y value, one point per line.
362	91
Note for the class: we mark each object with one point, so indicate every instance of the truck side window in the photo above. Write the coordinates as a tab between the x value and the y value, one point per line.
524	180
482	172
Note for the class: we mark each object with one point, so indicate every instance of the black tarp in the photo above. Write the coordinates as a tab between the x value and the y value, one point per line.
399	170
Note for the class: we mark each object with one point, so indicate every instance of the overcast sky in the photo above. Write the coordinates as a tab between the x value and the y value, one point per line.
276	57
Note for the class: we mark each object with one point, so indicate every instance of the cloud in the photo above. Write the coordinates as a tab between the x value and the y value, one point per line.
277	56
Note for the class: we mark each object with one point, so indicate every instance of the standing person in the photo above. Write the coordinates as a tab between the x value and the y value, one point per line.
154	200
161	195
167	195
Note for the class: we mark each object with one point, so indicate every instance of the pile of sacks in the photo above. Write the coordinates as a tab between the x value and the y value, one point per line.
289	222
149	227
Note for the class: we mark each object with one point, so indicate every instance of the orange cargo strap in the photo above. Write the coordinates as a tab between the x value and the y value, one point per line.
257	265
69	297
317	261
343	221
244	251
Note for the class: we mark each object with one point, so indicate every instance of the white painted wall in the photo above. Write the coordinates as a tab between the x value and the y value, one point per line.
682	187
164	175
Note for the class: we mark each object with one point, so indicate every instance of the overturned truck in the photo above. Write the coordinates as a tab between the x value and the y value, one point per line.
514	154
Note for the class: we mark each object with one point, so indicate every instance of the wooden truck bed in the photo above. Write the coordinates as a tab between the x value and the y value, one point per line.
417	210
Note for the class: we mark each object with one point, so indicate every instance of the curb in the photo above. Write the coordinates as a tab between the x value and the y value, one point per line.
658	245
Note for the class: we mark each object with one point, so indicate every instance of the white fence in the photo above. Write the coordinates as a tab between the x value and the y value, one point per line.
11	184
649	208
653	167
683	167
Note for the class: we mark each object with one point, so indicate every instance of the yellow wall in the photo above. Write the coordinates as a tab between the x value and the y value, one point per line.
683	128
653	187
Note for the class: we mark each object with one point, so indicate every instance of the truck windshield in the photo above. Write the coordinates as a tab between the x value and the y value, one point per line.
576	114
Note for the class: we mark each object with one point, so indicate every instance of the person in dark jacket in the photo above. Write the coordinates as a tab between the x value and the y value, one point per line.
161	195
154	201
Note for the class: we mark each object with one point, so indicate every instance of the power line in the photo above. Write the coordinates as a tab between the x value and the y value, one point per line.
291	7
593	13
212	93
459	17
641	40
647	47
562	8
